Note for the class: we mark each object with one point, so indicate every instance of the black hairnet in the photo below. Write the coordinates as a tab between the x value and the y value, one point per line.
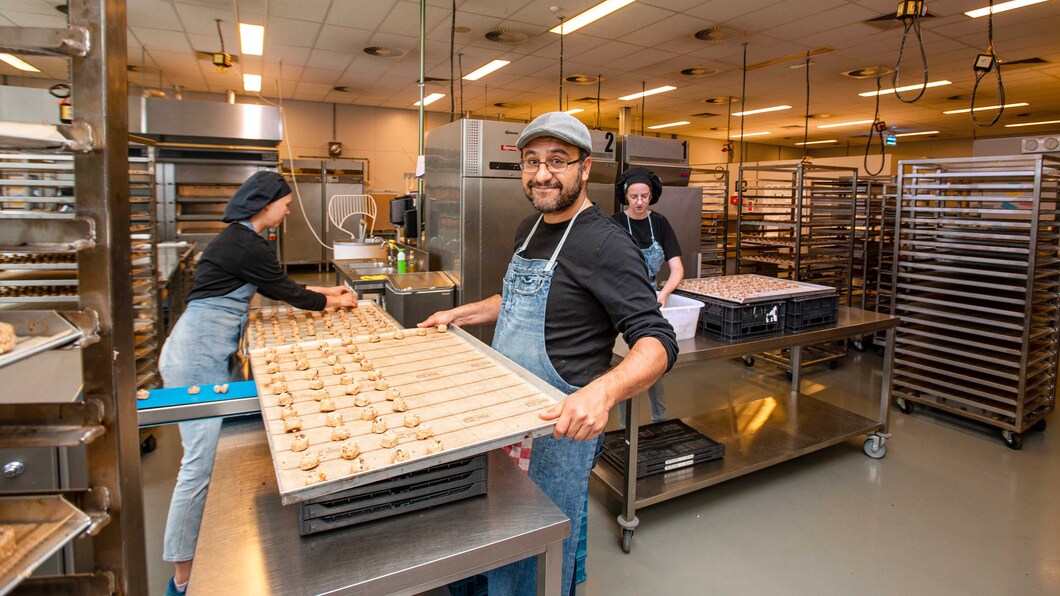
256	192
642	176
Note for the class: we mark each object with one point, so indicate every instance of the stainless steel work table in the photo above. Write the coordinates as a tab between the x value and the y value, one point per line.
249	542
756	434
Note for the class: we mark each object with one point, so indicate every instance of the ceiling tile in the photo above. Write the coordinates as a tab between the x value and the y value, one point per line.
493	8
169	41
320	75
31	6
362	14
34	19
330	60
719	11
342	39
156	14
201	20
290	55
303	10
292	33
404	18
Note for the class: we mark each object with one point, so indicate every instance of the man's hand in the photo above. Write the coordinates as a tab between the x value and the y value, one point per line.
339	296
582	415
442	317
474	313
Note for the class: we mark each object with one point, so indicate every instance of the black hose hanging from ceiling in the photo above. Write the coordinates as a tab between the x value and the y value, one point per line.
561	36
743	99
980	74
911	23
599	78
806	117
875	130
460	66
452	50
219	34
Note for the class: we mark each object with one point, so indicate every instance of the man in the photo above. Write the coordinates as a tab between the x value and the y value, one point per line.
575	281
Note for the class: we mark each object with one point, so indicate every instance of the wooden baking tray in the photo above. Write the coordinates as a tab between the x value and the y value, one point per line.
366	319
473	398
42	526
796	289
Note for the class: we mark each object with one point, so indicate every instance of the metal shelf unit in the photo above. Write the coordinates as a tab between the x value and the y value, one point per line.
885	272
101	421
147	293
714	235
868	230
977	288
797	221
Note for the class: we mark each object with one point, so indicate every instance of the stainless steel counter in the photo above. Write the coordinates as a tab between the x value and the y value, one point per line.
249	542
758	434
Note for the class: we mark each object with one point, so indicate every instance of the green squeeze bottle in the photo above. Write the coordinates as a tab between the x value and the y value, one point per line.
402	264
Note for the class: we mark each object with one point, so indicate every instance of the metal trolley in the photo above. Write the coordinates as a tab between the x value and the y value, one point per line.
796	221
868	245
714	234
977	289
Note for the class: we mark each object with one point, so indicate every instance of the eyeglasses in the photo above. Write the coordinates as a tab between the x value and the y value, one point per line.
554	165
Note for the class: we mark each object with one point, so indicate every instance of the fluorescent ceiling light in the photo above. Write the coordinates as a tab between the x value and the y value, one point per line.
252	39
854	123
574	111
658	126
599	11
1032	123
982	12
756	134
818	142
1008	105
485	70
663	89
252	82
433	97
762	110
917	134
18	63
906	88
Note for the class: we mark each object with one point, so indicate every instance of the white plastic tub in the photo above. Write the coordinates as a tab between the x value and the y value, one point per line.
683	314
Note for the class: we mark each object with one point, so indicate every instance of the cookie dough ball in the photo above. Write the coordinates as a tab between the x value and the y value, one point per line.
369	413
340	433
293	424
272	368
222	388
327	405
316	384
277	378
443	328
285	399
421	332
345	380
352	389
323	345
312	374
424	432
193	390
349	450
399	405
381	385
366	365
300	442
358	466
321	394
330	360
338	369
373	338
351	349
412	421
374	375
287	413
393	393
301	364
361	401
399	334
434	446
399	455
379	426
142	394
314	477
357	356
346	341
390	439
333	419
277	388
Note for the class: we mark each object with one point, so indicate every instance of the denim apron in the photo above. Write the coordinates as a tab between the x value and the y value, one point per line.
653	255
559	467
200	351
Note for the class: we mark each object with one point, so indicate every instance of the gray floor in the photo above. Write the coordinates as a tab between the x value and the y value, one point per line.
950	510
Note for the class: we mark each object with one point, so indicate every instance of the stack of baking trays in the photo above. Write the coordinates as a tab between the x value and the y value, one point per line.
662	448
363	425
977	289
741	306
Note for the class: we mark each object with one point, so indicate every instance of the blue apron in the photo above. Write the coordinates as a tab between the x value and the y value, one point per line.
653	255
559	467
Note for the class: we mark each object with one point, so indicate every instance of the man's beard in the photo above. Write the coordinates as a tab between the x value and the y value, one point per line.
562	202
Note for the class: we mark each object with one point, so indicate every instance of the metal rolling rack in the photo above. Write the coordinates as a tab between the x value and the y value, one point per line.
102	417
796	221
977	280
868	230
885	272
147	293
714	236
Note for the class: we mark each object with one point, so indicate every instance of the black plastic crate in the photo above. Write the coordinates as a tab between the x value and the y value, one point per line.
433	486
663	447
731	321
806	313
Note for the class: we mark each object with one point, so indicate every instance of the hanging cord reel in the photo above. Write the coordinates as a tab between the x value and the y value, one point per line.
876	130
910	12
984	63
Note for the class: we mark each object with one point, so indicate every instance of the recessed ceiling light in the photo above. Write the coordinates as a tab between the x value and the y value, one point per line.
838	124
18	63
433	97
485	70
1008	105
658	126
599	11
917	134
720	100
698	71
252	82
574	111
818	142
1014	4
756	134
662	89
1032	123
581	79
383	52
906	88
252	39
762	111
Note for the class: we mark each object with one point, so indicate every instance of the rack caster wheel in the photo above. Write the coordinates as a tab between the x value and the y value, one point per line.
627	539
148	445
904	406
748	360
788	374
1039	427
858	345
833	364
875	448
1012	440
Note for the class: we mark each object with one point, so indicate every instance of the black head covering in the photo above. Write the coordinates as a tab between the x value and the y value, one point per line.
642	176
256	192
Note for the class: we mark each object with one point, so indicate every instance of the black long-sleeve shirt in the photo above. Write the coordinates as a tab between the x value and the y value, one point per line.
238	256
598	290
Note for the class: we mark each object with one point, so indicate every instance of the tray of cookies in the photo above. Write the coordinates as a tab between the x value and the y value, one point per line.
24	333
750	288
344	412
31	530
276	326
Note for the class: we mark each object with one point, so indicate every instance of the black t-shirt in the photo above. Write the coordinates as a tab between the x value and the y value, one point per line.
598	290
664	233
238	255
